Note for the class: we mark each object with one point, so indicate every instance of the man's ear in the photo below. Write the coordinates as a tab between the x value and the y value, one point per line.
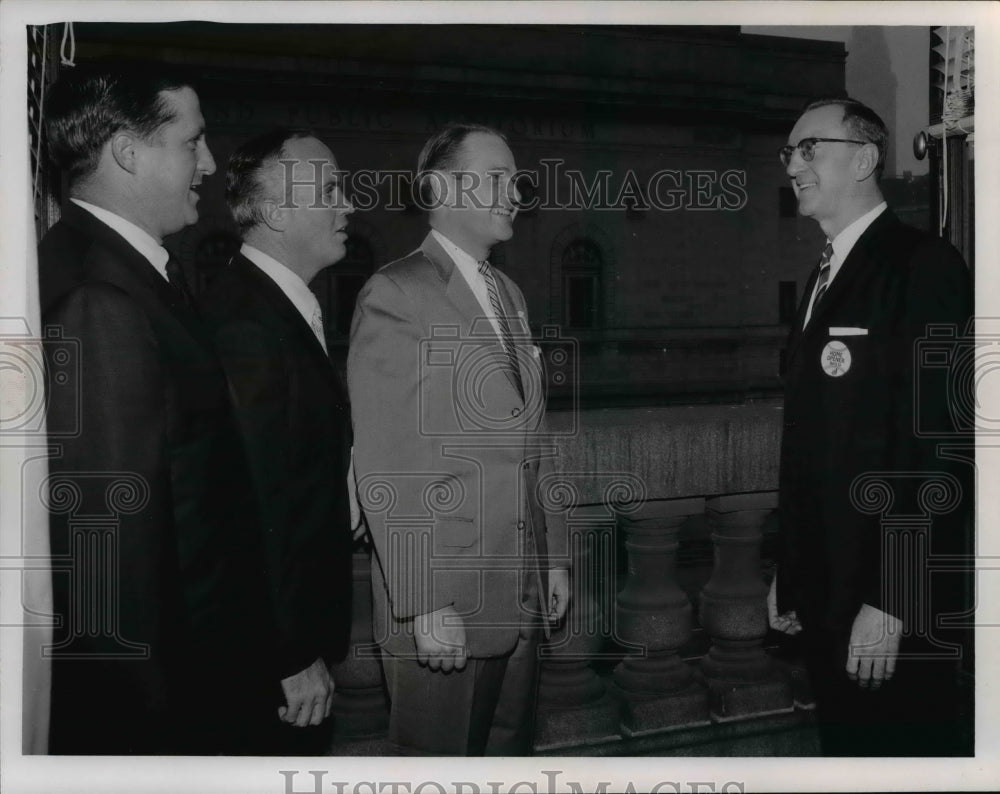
439	186
124	150
273	216
867	161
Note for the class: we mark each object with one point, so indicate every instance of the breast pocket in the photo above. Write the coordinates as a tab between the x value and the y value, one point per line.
453	534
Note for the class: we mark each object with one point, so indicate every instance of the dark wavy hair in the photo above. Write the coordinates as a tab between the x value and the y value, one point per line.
90	103
244	190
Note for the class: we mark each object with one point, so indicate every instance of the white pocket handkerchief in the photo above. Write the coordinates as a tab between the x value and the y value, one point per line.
836	330
536	351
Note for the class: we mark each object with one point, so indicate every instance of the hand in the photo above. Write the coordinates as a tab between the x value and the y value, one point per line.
786	622
558	593
309	694
874	646
357	525
440	638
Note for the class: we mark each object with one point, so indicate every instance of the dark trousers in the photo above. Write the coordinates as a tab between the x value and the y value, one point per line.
214	715
488	708
917	713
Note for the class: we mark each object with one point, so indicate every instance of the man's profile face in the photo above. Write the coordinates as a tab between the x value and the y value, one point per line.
172	164
316	231
825	185
485	198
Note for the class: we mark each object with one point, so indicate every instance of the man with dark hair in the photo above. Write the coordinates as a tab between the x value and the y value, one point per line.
855	509
165	632
285	193
448	415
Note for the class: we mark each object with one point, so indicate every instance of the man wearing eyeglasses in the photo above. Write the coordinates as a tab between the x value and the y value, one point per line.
856	519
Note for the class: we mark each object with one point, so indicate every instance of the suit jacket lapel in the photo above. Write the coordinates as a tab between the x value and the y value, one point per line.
797	332
458	291
856	263
283	307
130	270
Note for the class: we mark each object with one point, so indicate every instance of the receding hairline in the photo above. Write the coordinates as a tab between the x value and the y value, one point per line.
270	171
463	147
820	108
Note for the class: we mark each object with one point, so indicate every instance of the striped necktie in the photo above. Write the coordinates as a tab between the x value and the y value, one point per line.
824	274
506	337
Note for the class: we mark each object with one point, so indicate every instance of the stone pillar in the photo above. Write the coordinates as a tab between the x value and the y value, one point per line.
657	688
574	707
360	708
741	677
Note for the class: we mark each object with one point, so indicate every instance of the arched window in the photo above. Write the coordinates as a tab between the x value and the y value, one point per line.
582	265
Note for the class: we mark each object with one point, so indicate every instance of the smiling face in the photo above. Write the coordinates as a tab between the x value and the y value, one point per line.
316	209
828	187
482	199
169	167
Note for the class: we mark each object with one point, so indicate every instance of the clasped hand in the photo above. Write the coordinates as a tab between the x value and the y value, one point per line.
440	640
309	694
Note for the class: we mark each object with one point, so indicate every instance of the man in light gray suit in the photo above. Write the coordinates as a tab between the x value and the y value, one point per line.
448	411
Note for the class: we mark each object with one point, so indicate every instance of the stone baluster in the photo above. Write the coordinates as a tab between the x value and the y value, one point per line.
743	681
657	688
574	707
360	708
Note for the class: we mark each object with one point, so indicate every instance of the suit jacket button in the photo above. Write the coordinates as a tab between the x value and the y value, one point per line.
520	525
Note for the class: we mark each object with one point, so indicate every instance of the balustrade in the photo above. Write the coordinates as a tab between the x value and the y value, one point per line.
743	680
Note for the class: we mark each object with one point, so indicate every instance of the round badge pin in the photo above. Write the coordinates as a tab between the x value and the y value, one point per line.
835	359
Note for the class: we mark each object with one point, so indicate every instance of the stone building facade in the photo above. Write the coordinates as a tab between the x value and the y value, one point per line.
665	241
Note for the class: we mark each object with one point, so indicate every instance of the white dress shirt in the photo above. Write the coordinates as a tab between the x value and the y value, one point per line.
842	245
293	287
469	268
141	240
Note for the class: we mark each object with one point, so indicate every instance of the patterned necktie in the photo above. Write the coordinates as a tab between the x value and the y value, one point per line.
175	275
506	337
316	323
824	274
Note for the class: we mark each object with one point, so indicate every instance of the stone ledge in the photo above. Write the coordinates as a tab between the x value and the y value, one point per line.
733	503
673	451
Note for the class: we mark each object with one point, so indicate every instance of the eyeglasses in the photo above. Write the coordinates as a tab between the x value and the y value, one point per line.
807	148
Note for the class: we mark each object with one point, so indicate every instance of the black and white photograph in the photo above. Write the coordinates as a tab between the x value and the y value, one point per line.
498	397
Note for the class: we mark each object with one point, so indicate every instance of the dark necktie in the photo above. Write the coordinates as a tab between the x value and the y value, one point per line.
175	275
506	337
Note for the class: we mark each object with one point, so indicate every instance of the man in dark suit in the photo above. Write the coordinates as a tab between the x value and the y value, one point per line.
450	443
164	638
855	511
285	195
